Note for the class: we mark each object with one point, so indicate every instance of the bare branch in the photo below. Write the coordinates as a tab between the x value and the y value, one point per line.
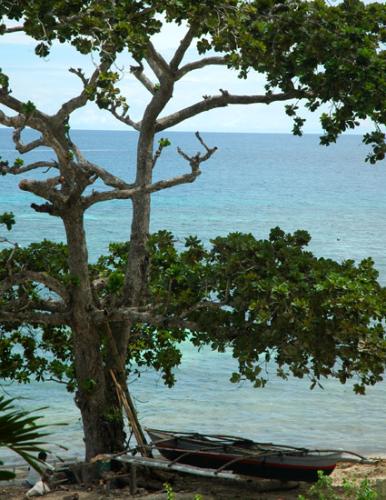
15	170
182	48
137	71
222	100
162	144
3	239
123	117
93	169
39	304
34	317
107	178
38	277
11	121
36	118
123	194
44	189
197	159
80	74
202	63
135	315
81	100
157	63
25	148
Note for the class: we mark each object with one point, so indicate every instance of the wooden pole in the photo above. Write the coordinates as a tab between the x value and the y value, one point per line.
125	399
128	406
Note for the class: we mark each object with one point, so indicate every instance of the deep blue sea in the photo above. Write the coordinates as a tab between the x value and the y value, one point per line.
253	182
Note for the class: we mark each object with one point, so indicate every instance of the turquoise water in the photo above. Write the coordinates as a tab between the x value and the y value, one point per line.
254	182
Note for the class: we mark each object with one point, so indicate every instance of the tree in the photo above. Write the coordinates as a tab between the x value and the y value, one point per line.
260	298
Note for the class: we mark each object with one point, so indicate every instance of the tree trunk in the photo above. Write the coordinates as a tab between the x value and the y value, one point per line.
95	399
137	270
117	335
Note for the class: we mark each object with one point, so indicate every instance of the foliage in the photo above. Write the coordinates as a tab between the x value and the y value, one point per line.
65	319
330	53
170	495
333	52
20	432
169	492
265	300
8	219
324	490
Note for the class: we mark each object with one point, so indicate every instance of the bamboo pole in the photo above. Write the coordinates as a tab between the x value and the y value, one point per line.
128	406
125	399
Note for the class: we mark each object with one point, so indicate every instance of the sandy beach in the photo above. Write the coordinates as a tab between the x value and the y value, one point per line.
216	490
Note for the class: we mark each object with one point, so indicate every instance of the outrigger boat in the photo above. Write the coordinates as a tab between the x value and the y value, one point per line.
246	457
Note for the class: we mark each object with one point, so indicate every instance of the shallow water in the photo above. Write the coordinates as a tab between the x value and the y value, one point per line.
254	182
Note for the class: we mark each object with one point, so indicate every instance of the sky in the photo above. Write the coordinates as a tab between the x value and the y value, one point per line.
47	82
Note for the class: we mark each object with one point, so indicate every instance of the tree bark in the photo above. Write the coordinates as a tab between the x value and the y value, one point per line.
137	269
103	433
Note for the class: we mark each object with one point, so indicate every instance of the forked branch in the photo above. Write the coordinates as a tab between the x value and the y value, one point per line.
81	100
99	172
197	159
124	194
157	63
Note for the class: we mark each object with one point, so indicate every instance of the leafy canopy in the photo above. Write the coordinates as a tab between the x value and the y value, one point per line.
325	54
264	300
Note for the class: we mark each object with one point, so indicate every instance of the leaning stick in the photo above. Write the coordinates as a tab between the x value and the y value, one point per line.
128	406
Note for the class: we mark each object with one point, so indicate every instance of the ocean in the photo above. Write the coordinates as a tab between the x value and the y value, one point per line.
253	183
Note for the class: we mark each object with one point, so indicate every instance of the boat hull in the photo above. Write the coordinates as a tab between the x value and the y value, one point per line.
299	466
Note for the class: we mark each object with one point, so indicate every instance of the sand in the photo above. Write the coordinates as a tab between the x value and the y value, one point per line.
375	473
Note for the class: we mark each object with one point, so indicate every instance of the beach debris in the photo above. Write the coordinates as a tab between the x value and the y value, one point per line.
39	489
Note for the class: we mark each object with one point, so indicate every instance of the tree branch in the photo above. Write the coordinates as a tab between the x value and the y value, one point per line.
14	29
132	314
12	121
44	305
157	63
36	118
139	74
93	169
81	100
222	100
15	170
34	317
38	277
124	194
206	61
182	48
44	189
123	117
197	159
25	148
